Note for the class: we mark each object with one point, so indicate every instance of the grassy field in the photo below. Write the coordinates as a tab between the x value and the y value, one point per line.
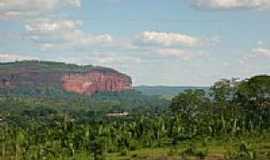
215	150
210	150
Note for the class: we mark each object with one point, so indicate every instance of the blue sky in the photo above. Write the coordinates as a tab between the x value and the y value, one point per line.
180	42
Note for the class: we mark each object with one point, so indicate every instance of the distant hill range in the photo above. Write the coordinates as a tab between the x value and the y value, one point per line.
167	91
52	86
44	78
25	77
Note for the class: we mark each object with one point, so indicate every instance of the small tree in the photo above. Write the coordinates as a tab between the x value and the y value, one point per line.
189	103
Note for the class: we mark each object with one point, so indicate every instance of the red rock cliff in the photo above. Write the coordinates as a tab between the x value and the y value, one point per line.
96	80
38	75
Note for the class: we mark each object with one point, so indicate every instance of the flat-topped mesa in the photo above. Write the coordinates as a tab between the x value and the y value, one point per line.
86	80
96	81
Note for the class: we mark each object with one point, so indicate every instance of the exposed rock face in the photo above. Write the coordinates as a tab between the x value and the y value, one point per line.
95	81
85	80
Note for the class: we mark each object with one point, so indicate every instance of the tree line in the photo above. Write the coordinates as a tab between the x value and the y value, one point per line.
230	109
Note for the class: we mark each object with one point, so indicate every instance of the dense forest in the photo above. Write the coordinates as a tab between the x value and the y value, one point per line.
231	121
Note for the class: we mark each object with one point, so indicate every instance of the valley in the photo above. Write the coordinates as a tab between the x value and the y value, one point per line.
46	117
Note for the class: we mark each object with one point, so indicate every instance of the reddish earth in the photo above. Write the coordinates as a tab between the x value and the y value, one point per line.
72	78
94	81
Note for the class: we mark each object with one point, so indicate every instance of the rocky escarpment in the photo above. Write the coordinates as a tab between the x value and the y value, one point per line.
85	80
96	80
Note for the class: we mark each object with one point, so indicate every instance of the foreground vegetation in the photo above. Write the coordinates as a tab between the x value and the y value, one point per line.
230	122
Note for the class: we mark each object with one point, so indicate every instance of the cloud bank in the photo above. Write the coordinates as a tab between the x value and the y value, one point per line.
32	8
168	39
231	4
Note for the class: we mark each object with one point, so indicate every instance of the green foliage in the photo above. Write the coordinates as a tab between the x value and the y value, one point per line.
164	90
254	92
44	66
99	148
192	150
189	102
77	127
243	153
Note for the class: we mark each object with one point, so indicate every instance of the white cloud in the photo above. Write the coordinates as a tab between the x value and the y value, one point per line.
261	53
63	33
164	45
258	54
169	39
47	26
103	59
80	38
260	43
231	4
180	54
27	8
7	57
256	62
113	60
73	40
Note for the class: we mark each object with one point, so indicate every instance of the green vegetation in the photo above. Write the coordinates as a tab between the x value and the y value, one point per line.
42	66
231	121
47	66
165	91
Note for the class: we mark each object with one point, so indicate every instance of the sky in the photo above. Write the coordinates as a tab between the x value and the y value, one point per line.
156	42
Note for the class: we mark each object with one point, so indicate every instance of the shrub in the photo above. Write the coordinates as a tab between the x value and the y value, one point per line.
243	153
192	150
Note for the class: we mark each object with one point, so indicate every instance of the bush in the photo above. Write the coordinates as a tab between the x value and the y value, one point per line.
243	153
124	152
192	150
